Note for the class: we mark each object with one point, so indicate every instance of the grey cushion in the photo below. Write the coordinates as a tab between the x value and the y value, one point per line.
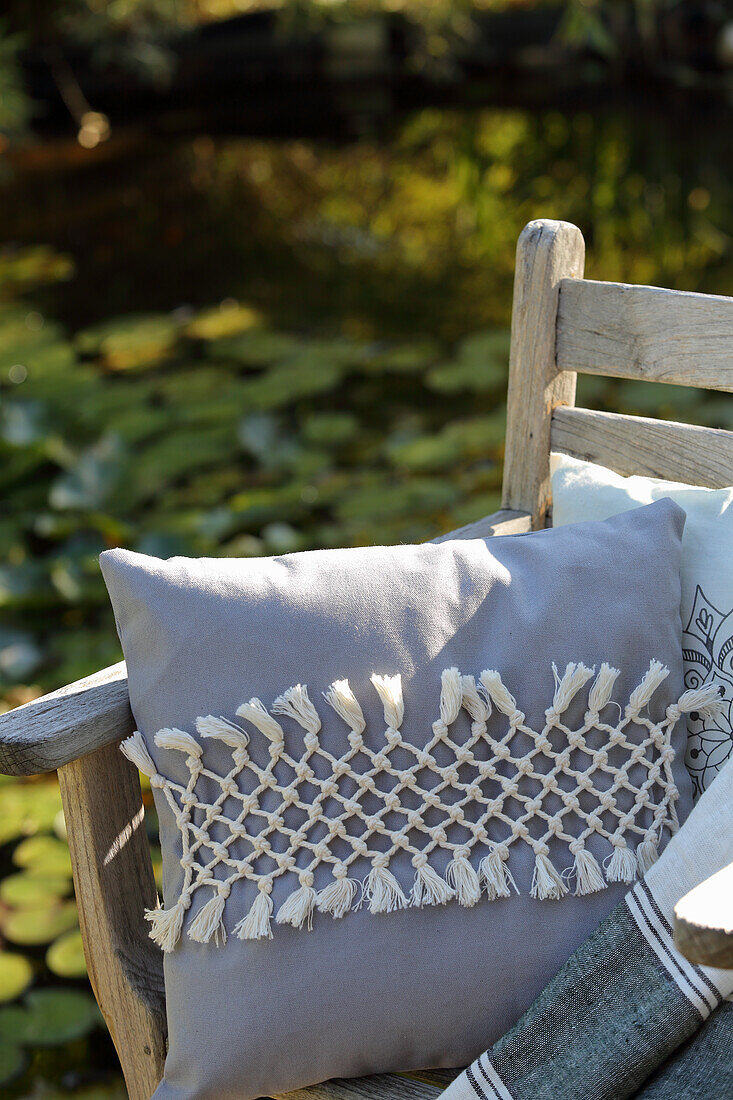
417	987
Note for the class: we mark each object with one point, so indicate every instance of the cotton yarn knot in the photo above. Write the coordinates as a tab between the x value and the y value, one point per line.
455	800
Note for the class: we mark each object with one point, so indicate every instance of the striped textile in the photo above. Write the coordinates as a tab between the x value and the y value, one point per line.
627	1001
702	1068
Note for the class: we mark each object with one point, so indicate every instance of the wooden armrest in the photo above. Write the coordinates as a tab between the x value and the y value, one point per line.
507	521
49	732
703	921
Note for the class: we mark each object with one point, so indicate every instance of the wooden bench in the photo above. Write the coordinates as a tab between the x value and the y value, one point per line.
562	324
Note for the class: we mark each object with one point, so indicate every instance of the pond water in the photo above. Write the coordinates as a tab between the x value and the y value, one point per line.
219	346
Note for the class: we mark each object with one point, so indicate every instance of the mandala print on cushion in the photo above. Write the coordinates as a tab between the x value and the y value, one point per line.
708	654
585	491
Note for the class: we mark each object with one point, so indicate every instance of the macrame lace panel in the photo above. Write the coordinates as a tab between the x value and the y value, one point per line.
244	832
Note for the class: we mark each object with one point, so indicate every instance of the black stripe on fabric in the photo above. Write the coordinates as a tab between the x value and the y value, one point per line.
700	973
474	1083
671	958
488	1079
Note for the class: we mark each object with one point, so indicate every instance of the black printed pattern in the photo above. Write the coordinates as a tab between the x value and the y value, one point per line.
708	654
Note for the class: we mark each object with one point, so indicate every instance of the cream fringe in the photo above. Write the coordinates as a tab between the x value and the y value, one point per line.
463	881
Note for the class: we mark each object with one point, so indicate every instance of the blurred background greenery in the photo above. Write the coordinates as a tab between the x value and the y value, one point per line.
255	288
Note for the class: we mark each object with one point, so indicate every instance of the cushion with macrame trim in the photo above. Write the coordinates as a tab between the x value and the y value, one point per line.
396	786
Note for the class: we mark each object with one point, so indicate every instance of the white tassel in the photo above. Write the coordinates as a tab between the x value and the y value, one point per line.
294	703
338	897
344	702
500	696
389	689
706	700
451	697
297	910
476	707
221	730
496	876
622	865
166	924
256	925
566	688
464	881
602	689
261	719
208	923
547	884
429	887
136	752
647	853
383	891
588	875
640	696
179	741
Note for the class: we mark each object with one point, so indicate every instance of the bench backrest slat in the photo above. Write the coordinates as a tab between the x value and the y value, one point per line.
645	332
655	448
564	325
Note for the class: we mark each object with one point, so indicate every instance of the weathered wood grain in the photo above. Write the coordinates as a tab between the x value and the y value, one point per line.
638	445
645	332
385	1086
703	928
113	880
507	521
547	253
49	732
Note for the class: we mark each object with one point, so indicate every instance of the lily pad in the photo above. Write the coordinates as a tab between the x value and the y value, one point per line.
92	478
28	808
386	500
481	365
331	429
16	974
65	957
12	1062
409	358
22	423
20	656
290	382
282	538
49	1017
43	855
129	342
227	319
32	927
27	891
473	375
255	348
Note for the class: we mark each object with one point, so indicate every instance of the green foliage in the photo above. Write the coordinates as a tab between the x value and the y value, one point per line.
65	957
12	1061
33	891
48	1017
43	856
15	106
16	974
40	924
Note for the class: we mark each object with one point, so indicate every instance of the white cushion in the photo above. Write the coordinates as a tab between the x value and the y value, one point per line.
585	491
